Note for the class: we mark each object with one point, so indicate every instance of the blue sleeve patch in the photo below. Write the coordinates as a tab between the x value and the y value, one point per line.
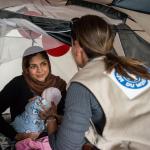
132	87
133	83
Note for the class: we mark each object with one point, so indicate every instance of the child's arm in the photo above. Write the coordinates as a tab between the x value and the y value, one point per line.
22	136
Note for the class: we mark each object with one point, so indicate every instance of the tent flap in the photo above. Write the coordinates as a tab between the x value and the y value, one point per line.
108	11
128	38
59	29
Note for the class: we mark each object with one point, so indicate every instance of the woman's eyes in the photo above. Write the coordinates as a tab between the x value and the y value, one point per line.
34	66
44	64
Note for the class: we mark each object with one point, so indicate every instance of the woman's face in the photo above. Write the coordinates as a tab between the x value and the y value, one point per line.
38	68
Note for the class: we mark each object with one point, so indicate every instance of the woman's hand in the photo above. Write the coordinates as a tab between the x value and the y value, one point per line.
22	136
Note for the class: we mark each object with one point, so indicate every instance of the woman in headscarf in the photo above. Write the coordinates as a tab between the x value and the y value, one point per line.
35	78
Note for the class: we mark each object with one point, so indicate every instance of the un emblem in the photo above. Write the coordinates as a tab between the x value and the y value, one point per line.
132	83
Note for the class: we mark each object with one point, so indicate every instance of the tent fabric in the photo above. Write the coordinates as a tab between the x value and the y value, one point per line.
53	27
100	1
7	3
57	28
133	45
141	19
12	3
108	11
128	4
137	5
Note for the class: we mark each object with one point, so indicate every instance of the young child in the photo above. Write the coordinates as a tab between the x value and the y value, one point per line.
29	120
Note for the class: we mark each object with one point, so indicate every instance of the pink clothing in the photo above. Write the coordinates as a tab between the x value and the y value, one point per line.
29	144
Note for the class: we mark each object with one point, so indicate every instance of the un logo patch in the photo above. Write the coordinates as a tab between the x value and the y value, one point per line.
132	83
131	87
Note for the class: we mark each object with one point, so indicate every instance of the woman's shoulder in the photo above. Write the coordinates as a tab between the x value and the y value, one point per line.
14	84
18	80
79	90
78	86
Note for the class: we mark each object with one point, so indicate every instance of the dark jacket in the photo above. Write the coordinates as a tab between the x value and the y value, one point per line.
15	95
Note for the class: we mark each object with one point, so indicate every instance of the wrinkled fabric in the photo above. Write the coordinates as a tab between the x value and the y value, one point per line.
29	144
